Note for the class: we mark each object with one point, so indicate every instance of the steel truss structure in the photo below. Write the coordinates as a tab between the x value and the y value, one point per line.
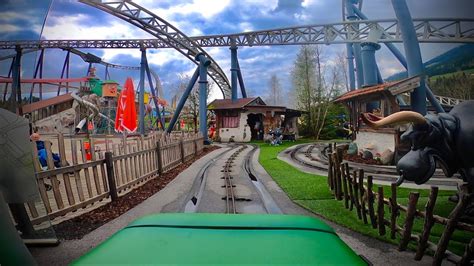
167	33
429	30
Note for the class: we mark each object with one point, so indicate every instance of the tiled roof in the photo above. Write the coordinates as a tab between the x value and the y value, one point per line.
229	104
394	88
365	91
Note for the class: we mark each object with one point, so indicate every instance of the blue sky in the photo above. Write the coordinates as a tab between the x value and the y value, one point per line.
68	19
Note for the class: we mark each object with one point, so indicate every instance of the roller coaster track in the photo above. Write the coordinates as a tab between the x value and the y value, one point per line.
161	29
429	30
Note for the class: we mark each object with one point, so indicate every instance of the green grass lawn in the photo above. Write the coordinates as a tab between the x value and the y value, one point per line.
312	192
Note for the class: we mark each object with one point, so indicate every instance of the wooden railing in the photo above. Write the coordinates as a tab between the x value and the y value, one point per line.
90	172
356	192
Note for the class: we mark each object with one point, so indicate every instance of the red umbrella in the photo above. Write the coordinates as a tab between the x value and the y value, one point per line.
126	118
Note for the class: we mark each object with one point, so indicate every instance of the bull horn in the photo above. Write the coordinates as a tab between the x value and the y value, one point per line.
396	118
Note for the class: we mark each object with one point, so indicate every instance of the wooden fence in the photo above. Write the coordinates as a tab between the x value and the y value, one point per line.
356	192
101	167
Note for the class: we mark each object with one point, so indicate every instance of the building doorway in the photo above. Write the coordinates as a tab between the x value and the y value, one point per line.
255	122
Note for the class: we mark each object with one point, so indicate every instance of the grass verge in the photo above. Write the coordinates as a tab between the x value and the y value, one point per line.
312	192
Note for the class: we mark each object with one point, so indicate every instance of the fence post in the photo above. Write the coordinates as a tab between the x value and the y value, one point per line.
428	224
380	211
195	147
468	254
411	211
361	195
329	154
344	184
109	163
181	148
394	210
370	202
355	187
464	199
160	161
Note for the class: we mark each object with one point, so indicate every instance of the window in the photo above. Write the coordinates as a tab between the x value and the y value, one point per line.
230	121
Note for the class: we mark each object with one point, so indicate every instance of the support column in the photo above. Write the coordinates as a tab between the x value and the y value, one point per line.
234	70
370	69
413	54
15	99
350	48
203	64
241	81
141	97
182	101
350	66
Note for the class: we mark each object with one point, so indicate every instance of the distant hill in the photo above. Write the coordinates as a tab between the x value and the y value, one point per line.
456	59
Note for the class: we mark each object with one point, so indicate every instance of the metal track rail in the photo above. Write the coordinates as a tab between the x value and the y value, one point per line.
229	187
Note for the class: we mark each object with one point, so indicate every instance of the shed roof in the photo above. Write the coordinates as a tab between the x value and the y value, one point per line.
229	104
393	88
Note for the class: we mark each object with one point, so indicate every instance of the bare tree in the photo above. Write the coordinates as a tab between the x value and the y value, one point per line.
275	97
316	83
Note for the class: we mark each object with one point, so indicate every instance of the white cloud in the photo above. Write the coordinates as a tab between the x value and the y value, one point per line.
73	27
205	8
6	28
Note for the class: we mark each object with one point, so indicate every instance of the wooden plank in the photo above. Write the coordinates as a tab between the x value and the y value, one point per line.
110	176
64	163
44	195
128	165
77	177
136	163
407	228
351	190
86	171
468	254
102	172
330	169
344	184
427	225
355	187
69	209
362	195
159	157
32	208
380	211
95	171
139	159
464	199
370	202
53	178
123	166
394	211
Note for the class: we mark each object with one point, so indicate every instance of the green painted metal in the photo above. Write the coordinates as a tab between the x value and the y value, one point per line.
222	238
96	86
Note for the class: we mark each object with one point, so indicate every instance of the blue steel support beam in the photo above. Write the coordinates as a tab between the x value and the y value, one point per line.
241	81
155	100
183	99
6	84
413	54
204	62
16	85
141	100
396	52
66	63
370	69
356	49
234	70
349	49
350	66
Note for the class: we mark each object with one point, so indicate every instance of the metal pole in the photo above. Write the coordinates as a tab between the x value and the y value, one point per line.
370	69
413	54
356	46
203	64
62	72
6	84
183	99
241	81
141	100
16	85
350	51
234	69
155	101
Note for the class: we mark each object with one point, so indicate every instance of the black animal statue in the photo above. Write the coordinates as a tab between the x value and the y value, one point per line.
446	139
